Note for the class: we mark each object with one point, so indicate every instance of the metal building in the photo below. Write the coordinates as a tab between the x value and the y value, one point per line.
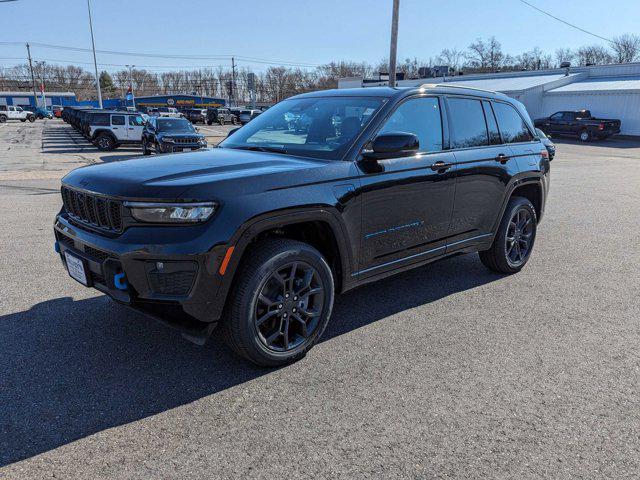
25	99
609	91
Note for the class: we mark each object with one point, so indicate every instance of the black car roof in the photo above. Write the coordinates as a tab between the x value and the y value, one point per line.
389	92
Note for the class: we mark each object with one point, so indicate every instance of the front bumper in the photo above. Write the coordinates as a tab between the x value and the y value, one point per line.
170	147
169	272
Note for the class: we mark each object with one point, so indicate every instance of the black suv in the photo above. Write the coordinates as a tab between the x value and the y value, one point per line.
167	134
221	116
259	234
195	115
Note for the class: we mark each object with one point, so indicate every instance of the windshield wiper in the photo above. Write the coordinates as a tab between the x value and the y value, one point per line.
259	148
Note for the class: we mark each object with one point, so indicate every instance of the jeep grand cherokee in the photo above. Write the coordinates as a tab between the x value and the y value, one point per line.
259	234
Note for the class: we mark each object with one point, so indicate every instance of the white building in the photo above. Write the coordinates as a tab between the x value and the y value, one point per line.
609	91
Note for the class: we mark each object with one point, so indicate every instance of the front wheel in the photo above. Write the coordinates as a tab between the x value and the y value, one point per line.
145	148
280	304
513	243
32	118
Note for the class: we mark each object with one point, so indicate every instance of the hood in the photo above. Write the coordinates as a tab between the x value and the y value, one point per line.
194	135
167	177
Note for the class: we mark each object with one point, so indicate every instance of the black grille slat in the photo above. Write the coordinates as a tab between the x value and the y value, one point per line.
93	210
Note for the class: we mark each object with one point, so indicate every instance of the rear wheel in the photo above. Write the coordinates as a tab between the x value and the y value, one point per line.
280	304
585	136
31	118
105	142
513	243
234	120
3	118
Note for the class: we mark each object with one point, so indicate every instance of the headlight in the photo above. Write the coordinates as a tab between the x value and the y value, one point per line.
171	212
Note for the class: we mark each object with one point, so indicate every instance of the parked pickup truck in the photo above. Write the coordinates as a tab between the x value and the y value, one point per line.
581	124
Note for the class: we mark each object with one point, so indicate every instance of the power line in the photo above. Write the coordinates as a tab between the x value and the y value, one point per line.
243	58
569	24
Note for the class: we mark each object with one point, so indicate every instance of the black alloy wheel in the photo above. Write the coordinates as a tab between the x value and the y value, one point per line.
280	304
289	306
514	240
519	237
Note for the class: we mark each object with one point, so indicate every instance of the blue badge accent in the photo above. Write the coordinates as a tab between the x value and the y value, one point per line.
120	281
56	247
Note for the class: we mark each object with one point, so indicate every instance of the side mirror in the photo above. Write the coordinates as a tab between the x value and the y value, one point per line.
392	145
231	132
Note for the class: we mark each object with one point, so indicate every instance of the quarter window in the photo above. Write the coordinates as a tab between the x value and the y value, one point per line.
468	123
117	120
512	126
420	116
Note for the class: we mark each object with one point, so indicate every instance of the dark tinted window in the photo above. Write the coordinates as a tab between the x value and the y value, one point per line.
117	119
511	124
492	126
469	127
100	119
420	116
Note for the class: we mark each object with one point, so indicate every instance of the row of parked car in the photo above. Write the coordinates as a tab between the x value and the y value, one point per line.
221	115
109	129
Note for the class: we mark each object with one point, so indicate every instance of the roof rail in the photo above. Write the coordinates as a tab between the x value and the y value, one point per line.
448	85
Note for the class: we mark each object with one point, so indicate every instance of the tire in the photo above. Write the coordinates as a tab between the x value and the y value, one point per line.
145	148
221	120
23	120
501	257
264	344
234	120
3	118
209	122
585	135
157	148
105	142
31	118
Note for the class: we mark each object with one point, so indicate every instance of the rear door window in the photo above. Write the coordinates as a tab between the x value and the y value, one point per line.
420	116
512	126
468	123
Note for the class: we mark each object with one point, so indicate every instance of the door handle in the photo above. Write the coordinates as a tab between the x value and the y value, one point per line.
502	158
441	166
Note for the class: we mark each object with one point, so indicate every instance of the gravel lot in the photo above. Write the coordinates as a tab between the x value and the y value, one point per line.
446	371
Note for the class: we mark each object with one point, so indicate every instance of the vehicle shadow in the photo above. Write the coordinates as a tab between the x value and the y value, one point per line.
74	368
611	142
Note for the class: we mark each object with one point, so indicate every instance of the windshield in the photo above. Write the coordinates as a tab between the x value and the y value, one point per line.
321	127
175	125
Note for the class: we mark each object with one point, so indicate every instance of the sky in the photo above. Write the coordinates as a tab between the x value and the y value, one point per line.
303	31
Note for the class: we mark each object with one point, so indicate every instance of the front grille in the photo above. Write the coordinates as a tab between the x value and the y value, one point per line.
178	283
96	211
185	140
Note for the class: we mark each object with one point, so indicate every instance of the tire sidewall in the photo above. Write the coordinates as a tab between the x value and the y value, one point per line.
517	203
249	330
106	147
585	136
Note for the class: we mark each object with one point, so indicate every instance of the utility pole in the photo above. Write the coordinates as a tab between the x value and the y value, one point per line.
233	81
33	78
394	43
95	62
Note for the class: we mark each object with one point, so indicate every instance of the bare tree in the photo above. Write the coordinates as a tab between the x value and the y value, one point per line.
486	55
626	48
451	57
564	55
593	55
534	59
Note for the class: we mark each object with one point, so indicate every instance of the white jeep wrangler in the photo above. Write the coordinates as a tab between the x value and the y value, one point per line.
9	112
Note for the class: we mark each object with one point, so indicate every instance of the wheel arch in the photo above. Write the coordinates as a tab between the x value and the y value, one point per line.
528	187
319	227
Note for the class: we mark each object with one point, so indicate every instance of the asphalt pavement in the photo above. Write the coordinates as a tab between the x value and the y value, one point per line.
447	371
